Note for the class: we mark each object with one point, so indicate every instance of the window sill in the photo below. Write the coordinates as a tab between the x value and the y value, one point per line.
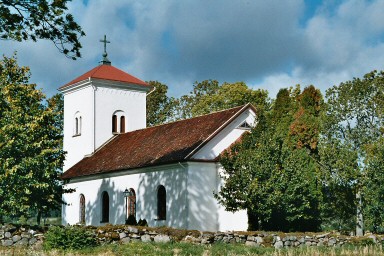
76	135
159	219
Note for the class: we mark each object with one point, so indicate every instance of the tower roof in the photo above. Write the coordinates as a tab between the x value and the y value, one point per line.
107	72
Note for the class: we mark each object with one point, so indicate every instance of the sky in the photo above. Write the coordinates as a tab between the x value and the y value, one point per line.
267	44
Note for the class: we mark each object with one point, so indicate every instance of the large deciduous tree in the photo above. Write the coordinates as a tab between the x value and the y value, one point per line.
272	172
353	125
31	155
41	19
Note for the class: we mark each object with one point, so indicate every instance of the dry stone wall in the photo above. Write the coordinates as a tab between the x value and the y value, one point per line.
11	235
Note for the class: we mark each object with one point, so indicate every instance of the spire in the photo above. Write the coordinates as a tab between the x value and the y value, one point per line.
105	60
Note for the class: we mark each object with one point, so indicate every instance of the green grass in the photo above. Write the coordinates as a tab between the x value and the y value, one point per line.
182	249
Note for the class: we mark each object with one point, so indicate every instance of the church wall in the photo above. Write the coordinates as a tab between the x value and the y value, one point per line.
145	182
109	100
202	208
226	137
76	146
230	220
204	211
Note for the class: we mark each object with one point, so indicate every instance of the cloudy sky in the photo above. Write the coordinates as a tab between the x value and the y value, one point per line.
267	44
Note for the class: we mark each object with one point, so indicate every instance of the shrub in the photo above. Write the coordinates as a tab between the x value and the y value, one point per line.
70	237
131	220
142	223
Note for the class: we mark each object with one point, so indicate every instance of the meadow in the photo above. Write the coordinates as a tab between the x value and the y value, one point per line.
191	249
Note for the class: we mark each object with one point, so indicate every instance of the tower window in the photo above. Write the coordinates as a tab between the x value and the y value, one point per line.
122	124
114	123
118	122
77	124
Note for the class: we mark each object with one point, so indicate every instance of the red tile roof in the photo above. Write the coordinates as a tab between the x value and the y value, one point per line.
107	72
163	144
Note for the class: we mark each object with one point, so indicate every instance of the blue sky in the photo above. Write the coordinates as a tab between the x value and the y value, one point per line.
267	44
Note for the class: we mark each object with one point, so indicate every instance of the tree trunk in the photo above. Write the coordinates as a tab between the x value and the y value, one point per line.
38	217
359	216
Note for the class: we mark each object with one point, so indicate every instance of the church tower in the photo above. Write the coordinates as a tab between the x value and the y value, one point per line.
98	105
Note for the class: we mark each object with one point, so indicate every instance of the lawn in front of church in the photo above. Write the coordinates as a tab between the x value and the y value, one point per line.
191	249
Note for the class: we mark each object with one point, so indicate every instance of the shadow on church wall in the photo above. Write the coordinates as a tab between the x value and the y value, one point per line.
190	202
116	205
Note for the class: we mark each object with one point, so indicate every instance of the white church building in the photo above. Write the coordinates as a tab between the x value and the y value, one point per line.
171	171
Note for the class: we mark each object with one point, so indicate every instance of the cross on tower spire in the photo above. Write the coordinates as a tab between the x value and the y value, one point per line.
105	60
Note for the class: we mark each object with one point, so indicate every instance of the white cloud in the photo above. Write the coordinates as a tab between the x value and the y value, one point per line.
264	43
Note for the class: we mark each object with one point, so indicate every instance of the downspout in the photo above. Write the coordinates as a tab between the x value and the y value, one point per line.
186	195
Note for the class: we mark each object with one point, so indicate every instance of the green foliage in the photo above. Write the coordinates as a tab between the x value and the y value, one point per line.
159	106
208	96
353	125
142	223
41	19
31	154
272	173
68	238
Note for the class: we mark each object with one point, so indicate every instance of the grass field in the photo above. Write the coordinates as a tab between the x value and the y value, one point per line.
190	249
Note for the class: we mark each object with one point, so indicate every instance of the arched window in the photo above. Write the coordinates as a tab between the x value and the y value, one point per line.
77	125
122	124
114	123
82	209
161	203
118	122
132	203
104	207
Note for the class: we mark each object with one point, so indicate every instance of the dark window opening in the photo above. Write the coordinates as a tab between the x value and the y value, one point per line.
114	123
122	124
104	207
245	125
161	203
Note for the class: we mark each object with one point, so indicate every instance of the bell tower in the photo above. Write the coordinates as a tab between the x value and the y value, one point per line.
99	105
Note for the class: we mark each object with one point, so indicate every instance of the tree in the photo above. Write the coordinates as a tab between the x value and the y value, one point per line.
271	173
31	155
354	122
41	19
208	96
159	105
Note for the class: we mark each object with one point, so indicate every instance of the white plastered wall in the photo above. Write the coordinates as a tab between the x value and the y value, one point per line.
96	101
145	183
209	174
226	137
109	100
78	101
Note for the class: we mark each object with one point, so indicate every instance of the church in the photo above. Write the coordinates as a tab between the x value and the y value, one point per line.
166	174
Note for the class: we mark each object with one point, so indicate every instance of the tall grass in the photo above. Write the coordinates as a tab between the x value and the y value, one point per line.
181	249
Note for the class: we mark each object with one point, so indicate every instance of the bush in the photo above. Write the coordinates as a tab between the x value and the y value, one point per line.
71	237
131	220
142	223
